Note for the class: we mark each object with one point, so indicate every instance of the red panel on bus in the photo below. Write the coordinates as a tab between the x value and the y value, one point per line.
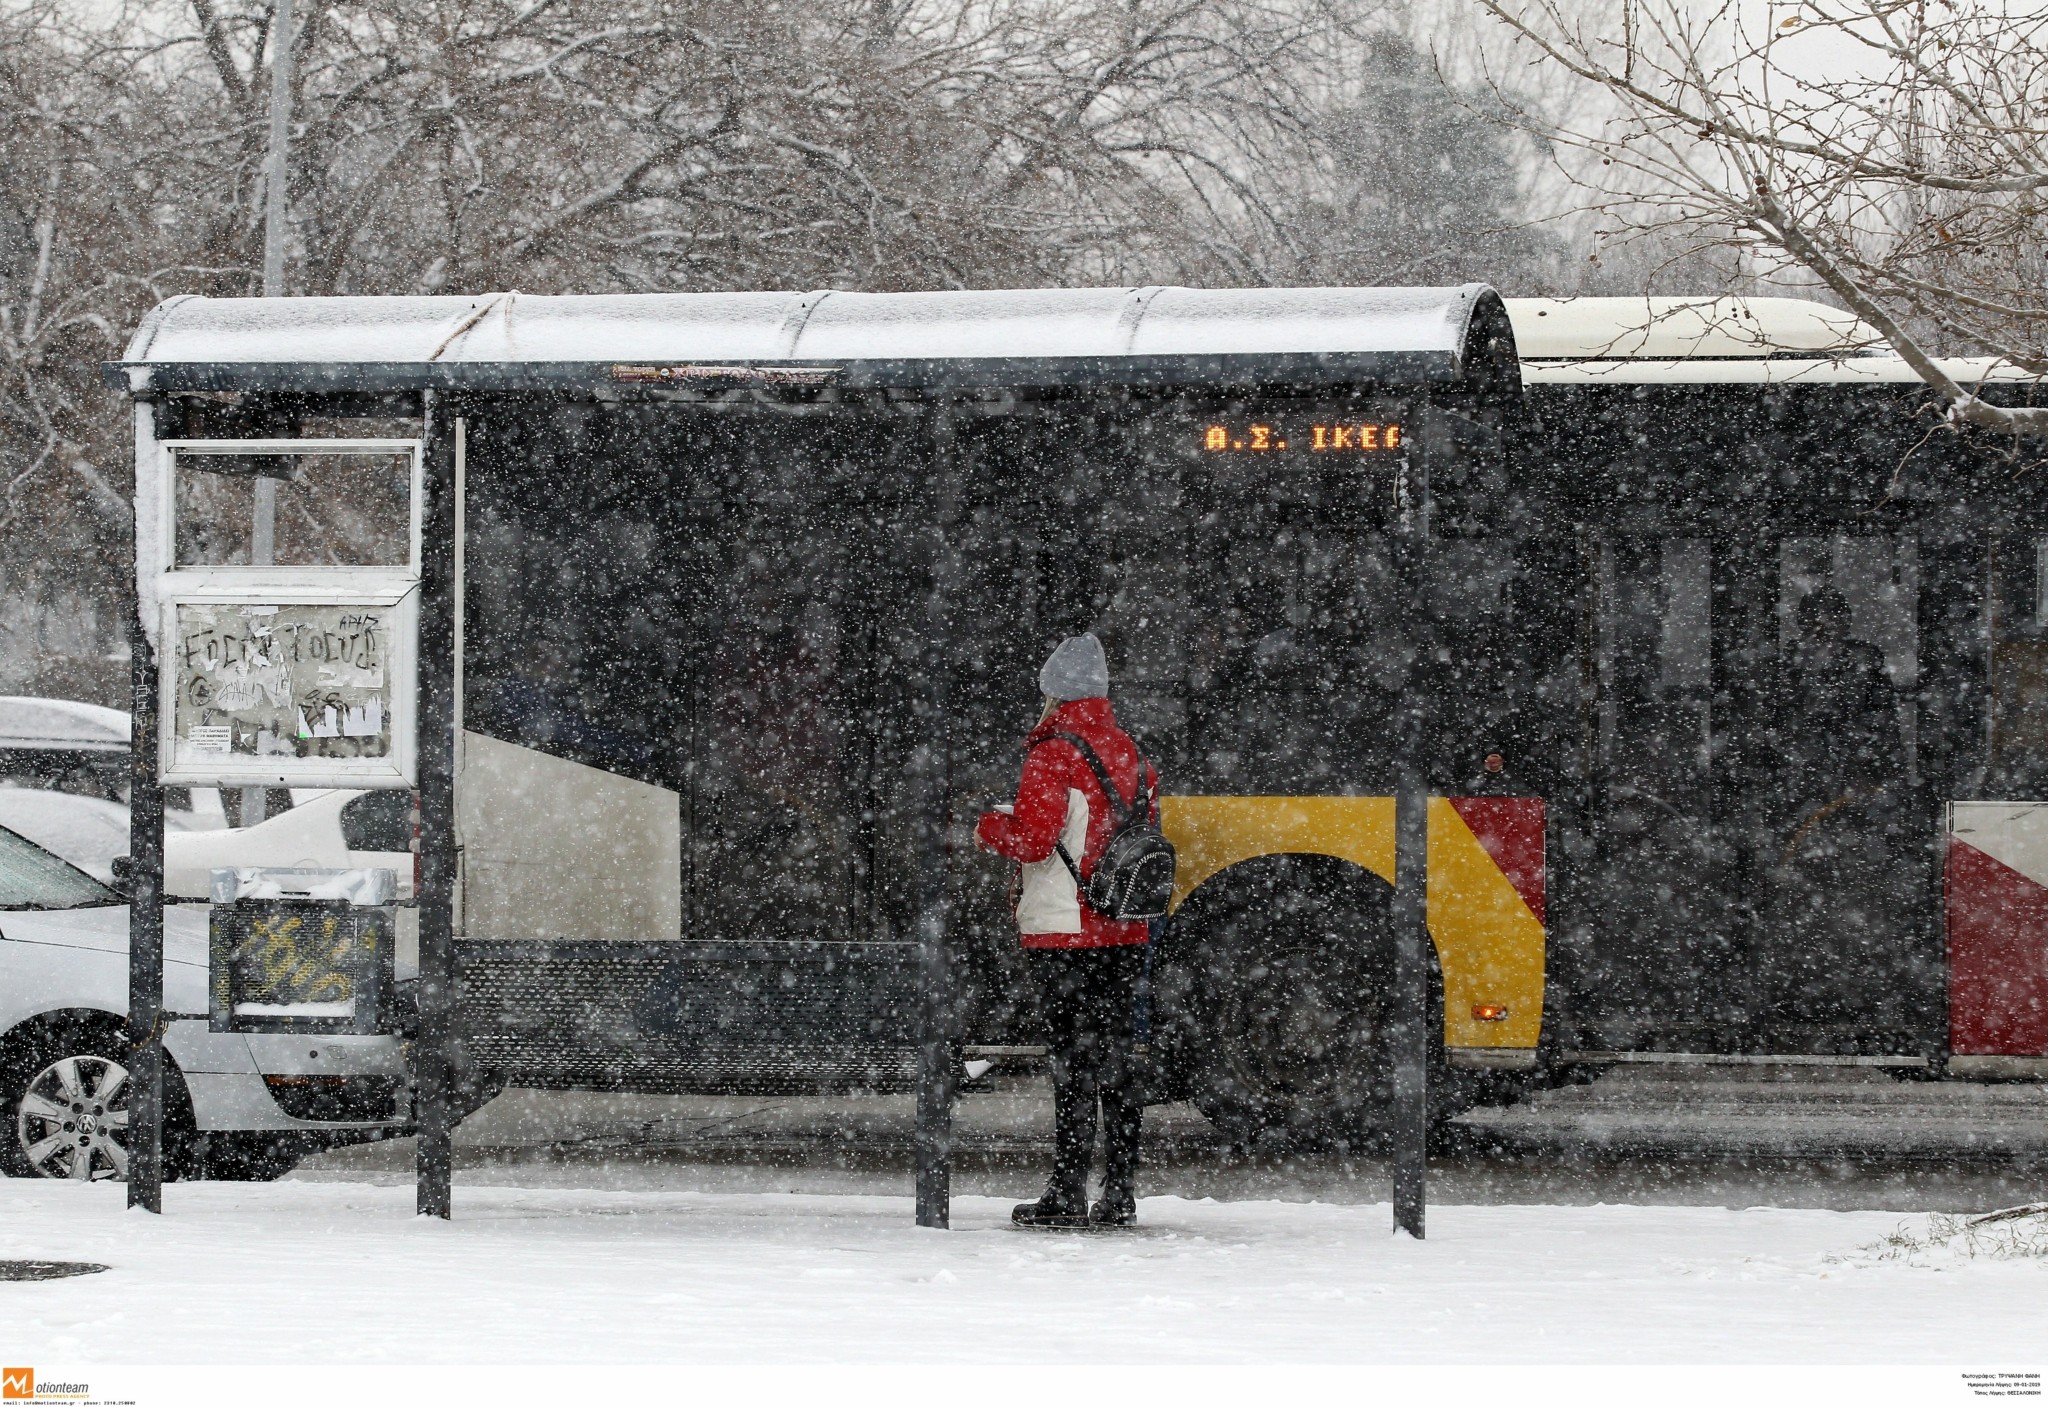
1510	830
1997	956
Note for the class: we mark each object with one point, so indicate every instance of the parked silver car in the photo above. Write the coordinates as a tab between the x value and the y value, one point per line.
236	1106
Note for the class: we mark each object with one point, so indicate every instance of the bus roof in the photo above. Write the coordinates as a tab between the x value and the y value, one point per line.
1671	329
1765	371
1011	337
1711	341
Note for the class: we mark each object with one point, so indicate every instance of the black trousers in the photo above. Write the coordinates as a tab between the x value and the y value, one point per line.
1089	997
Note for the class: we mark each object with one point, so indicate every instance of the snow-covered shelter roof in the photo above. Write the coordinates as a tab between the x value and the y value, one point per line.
1162	336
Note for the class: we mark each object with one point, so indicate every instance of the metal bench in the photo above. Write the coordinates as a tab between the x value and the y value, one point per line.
688	1017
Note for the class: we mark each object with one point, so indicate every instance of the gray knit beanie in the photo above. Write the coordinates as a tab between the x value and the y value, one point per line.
1076	669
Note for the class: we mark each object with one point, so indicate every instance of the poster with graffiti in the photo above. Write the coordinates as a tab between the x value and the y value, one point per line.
254	683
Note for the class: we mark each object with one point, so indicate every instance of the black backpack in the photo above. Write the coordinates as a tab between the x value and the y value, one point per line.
1133	880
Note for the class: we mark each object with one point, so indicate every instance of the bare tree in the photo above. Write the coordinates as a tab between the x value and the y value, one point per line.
649	145
712	143
1893	150
82	253
1420	183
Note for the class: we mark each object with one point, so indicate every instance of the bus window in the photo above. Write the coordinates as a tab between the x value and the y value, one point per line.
1504	690
1658	954
1300	620
2019	677
1848	607
1654	639
1843	868
1684	656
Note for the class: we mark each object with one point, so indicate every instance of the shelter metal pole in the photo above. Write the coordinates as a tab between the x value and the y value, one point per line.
935	1081
263	490
433	1170
145	933
278	165
1410	1006
262	552
934	1074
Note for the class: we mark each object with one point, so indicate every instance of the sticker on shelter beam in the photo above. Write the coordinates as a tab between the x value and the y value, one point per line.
769	375
255	682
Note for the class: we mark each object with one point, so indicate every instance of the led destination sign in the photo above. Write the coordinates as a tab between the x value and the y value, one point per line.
1330	437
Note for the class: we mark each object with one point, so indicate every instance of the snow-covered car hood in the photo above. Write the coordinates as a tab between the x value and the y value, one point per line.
85	830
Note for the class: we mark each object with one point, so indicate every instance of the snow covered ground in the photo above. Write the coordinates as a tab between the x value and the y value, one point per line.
333	1272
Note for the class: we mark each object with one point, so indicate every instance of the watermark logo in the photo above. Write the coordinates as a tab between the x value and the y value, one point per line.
20	1385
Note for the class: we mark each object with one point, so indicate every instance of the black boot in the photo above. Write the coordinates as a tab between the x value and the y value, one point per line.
1052	1210
1121	1118
1118	1207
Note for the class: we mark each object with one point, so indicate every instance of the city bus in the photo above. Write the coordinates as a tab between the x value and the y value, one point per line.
1731	668
1801	811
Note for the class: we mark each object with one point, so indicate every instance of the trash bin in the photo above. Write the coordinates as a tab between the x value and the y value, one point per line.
302	951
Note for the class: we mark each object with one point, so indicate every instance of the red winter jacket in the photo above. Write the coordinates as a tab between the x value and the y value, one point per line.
1060	795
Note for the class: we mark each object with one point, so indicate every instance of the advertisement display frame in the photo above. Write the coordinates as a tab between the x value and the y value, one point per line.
304	591
344	590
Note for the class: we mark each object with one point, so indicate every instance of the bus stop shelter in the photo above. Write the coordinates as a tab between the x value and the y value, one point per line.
389	416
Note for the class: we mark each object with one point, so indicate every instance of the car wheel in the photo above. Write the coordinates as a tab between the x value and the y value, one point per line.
64	1100
65	1097
71	1119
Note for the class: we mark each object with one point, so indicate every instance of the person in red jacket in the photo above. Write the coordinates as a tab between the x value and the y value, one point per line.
1086	967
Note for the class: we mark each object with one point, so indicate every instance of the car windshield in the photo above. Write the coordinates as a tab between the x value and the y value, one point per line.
32	878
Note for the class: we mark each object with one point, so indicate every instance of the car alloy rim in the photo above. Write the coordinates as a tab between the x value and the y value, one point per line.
73	1120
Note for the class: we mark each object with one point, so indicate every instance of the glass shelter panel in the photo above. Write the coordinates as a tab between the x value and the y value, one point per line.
725	607
343	506
734	603
807	622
